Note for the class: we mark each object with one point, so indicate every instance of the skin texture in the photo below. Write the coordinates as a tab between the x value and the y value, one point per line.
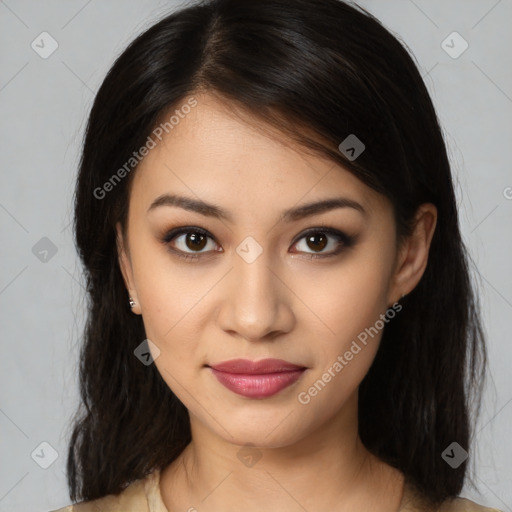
282	305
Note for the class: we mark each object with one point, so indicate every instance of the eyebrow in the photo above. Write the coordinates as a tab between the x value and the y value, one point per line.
290	215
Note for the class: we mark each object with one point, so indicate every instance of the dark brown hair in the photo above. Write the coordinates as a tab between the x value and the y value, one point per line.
318	71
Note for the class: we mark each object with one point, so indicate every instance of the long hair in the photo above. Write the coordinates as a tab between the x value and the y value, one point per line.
318	71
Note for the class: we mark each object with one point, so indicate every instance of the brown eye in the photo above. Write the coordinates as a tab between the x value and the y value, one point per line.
318	239
192	242
188	241
317	242
195	241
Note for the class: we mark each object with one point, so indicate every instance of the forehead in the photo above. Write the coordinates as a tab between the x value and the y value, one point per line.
211	153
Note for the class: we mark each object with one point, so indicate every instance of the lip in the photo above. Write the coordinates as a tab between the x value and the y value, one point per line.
245	366
257	379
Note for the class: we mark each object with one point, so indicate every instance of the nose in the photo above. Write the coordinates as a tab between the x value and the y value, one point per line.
256	302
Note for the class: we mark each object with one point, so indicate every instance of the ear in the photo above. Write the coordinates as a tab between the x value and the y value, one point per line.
126	268
413	255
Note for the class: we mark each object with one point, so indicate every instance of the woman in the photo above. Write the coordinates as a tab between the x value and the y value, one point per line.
280	310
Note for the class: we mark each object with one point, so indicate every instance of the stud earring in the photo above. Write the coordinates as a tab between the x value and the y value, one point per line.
132	302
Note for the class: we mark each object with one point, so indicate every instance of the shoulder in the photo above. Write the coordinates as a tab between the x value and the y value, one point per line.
413	501
464	505
134	498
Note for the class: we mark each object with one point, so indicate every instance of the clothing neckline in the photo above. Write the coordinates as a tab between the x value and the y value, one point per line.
156	502
153	492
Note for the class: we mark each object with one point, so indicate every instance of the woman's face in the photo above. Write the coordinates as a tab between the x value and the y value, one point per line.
252	288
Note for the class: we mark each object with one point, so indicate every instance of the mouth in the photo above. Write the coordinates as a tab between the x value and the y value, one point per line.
257	379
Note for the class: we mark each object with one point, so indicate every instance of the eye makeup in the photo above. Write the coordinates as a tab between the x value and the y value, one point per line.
341	239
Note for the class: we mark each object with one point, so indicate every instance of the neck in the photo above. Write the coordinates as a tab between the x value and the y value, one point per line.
328	469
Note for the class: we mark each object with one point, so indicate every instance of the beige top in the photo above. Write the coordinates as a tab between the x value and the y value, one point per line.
144	496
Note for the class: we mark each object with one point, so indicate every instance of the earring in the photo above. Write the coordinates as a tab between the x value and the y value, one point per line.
132	302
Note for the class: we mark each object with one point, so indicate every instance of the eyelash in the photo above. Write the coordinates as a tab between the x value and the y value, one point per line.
346	240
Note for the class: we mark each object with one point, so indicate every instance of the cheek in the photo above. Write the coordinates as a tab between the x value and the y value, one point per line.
167	289
170	299
347	297
349	302
343	358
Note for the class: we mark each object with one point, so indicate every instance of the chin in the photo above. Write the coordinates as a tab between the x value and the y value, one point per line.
263	432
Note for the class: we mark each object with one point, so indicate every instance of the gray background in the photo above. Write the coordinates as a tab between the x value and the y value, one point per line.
43	107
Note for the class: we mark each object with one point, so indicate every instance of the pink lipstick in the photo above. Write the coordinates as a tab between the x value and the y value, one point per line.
257	379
